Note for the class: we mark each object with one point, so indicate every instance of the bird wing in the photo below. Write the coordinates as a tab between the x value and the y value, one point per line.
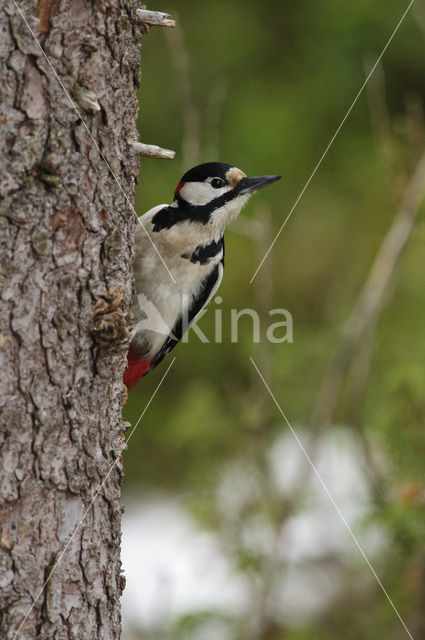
208	289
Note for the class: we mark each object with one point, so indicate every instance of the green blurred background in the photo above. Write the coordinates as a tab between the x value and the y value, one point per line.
264	87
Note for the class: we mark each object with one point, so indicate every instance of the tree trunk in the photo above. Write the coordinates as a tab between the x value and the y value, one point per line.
65	258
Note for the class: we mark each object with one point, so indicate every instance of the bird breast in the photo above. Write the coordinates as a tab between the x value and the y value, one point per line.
159	301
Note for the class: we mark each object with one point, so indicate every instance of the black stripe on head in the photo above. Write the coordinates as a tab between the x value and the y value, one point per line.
169	216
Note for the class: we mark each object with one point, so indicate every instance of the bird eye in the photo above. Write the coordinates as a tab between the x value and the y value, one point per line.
217	183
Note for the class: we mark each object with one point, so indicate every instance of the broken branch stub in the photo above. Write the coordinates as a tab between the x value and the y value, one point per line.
155	18
152	150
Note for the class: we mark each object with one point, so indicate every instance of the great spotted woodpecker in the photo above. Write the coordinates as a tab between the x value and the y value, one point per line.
187	236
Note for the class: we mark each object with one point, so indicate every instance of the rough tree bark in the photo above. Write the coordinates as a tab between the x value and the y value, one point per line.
65	252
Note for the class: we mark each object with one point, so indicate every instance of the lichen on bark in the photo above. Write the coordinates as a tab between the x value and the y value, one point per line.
66	247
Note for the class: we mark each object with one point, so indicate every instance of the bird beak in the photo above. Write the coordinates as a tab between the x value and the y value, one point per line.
248	185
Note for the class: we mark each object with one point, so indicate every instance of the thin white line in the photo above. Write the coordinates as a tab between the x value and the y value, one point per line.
331	142
331	498
55	566
93	140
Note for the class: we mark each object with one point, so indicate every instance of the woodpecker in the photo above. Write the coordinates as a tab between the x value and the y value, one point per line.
187	237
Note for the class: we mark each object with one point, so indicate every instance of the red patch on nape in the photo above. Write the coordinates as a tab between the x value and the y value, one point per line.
179	186
136	368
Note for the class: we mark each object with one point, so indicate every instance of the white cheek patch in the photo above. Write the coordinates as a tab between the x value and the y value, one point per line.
200	193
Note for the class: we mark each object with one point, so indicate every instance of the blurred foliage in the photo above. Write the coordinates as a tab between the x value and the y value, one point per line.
264	87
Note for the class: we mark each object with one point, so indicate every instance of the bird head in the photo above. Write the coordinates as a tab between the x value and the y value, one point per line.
214	193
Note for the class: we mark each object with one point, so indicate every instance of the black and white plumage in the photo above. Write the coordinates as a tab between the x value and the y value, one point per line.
188	237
